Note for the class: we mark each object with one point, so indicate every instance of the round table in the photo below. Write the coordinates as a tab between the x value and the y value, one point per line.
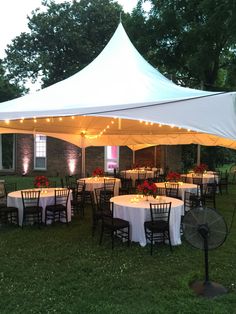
93	183
188	187
46	198
137	210
133	174
207	177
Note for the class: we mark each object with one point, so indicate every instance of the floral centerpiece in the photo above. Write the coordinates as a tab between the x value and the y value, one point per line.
200	168
173	176
41	182
147	188
98	172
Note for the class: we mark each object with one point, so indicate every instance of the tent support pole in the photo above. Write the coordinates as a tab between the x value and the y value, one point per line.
198	154
83	156
155	156
133	157
0	151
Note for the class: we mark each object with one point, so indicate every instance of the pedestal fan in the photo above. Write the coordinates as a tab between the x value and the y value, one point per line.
205	228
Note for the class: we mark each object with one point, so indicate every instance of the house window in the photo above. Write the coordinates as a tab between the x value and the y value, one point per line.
7	151
40	150
111	158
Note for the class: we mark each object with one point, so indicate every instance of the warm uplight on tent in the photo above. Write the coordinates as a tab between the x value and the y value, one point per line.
141	121
48	120
7	121
21	121
108	126
160	125
172	126
60	119
72	117
146	123
189	130
35	120
112	122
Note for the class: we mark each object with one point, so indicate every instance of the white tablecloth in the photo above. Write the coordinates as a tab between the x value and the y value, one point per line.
98	182
138	212
133	174
207	177
46	198
189	187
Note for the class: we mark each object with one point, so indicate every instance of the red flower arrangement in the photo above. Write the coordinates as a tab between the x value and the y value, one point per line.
147	188
173	176
200	168
98	172
41	181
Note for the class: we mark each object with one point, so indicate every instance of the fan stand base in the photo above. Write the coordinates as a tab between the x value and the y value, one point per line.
208	289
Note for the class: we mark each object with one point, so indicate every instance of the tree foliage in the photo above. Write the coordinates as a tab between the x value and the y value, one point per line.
7	90
194	41
62	40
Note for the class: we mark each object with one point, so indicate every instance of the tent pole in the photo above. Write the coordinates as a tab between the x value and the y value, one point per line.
83	155
133	157
198	154
155	156
0	151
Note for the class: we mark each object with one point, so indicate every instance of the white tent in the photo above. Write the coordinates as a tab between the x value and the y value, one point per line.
103	103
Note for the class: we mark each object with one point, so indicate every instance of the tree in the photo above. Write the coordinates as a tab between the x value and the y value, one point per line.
194	41
7	90
62	40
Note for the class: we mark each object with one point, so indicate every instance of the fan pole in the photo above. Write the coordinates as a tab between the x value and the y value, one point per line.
206	260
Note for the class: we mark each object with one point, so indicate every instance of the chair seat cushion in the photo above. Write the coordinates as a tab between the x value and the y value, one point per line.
8	209
33	209
156	226
117	223
55	208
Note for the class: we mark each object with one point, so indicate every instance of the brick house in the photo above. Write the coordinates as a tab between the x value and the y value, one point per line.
32	155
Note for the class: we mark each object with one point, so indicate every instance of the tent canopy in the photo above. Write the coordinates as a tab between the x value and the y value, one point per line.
103	103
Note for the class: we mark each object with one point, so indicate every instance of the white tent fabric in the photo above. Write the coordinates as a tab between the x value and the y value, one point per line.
119	83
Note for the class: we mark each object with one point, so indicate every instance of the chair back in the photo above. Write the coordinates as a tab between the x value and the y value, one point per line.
172	189
161	191
126	185
30	198
109	184
160	211
102	199
61	196
191	201
6	188
109	218
142	175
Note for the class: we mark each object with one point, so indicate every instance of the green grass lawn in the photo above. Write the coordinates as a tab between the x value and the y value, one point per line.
60	269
